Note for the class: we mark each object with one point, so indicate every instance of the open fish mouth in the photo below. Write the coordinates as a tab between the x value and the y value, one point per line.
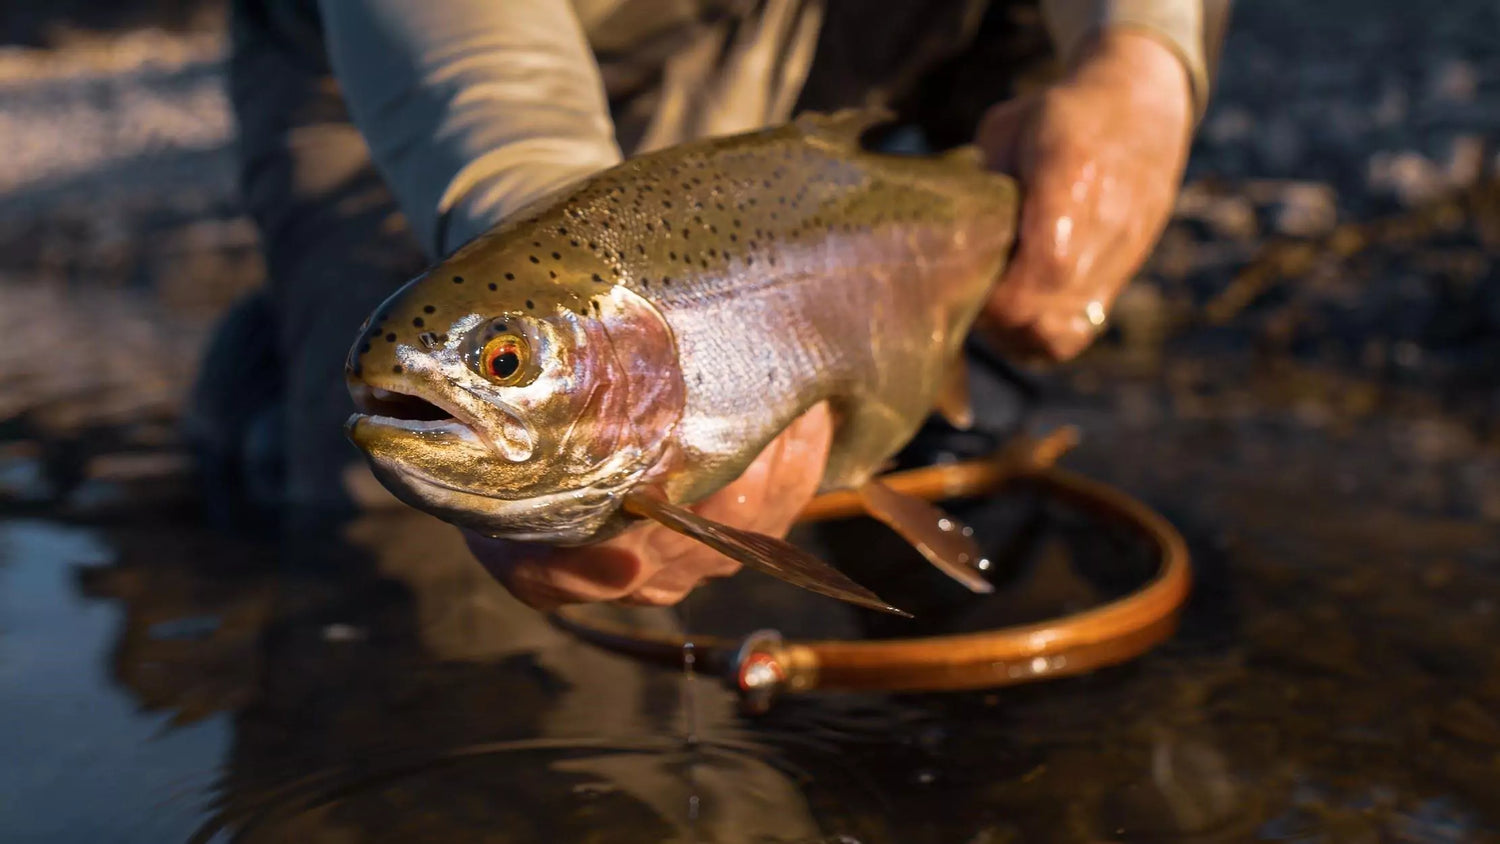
391	409
377	401
432	458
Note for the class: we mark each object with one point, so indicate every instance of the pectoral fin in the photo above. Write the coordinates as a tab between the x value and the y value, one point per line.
953	402
764	553
942	539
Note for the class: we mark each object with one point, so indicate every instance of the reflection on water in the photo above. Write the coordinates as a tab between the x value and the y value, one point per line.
78	758
162	682
379	687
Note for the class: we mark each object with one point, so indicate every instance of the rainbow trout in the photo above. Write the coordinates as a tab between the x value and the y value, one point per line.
628	346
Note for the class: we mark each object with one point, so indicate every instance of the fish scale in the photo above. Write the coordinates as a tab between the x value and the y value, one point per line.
817	222
755	276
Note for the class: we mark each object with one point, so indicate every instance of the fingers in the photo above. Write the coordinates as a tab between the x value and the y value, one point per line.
651	565
668	587
769	494
1095	199
1066	267
765	498
1002	130
544	577
1099	157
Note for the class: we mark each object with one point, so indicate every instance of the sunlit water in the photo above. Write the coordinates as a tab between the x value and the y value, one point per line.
162	682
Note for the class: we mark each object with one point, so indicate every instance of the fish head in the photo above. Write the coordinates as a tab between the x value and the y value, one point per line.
521	407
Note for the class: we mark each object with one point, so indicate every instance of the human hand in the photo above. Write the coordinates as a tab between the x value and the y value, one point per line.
1100	156
651	565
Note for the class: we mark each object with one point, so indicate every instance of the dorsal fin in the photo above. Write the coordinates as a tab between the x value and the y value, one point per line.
844	127
968	155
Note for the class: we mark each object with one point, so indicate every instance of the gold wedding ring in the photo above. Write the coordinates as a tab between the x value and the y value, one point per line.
1095	314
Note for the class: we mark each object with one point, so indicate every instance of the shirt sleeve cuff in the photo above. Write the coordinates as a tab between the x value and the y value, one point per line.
1176	24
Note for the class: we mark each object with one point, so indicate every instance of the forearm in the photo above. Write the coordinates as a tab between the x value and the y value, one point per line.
471	108
1192	29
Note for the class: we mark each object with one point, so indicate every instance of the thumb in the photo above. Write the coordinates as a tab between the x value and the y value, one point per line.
1002	133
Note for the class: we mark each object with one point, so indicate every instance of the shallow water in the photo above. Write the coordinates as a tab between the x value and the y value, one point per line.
1334	680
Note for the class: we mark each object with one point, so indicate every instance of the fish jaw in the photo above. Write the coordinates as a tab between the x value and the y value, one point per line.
445	467
566	517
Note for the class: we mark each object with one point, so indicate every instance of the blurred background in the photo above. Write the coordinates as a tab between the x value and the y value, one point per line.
1305	379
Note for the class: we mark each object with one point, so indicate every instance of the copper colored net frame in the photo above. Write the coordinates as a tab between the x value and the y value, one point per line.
1108	634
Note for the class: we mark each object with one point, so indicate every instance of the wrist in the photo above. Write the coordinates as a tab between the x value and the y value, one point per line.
1139	70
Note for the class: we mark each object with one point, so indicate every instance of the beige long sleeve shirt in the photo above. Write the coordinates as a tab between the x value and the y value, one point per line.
474	108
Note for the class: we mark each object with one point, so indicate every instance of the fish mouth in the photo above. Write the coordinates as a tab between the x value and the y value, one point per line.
392	404
408	412
409	439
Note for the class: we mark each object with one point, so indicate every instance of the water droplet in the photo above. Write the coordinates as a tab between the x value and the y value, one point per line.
592	790
343	633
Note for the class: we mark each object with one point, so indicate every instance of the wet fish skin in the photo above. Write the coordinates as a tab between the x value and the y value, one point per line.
547	461
686	306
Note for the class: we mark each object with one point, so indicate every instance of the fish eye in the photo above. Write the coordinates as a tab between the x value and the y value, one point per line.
504	359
